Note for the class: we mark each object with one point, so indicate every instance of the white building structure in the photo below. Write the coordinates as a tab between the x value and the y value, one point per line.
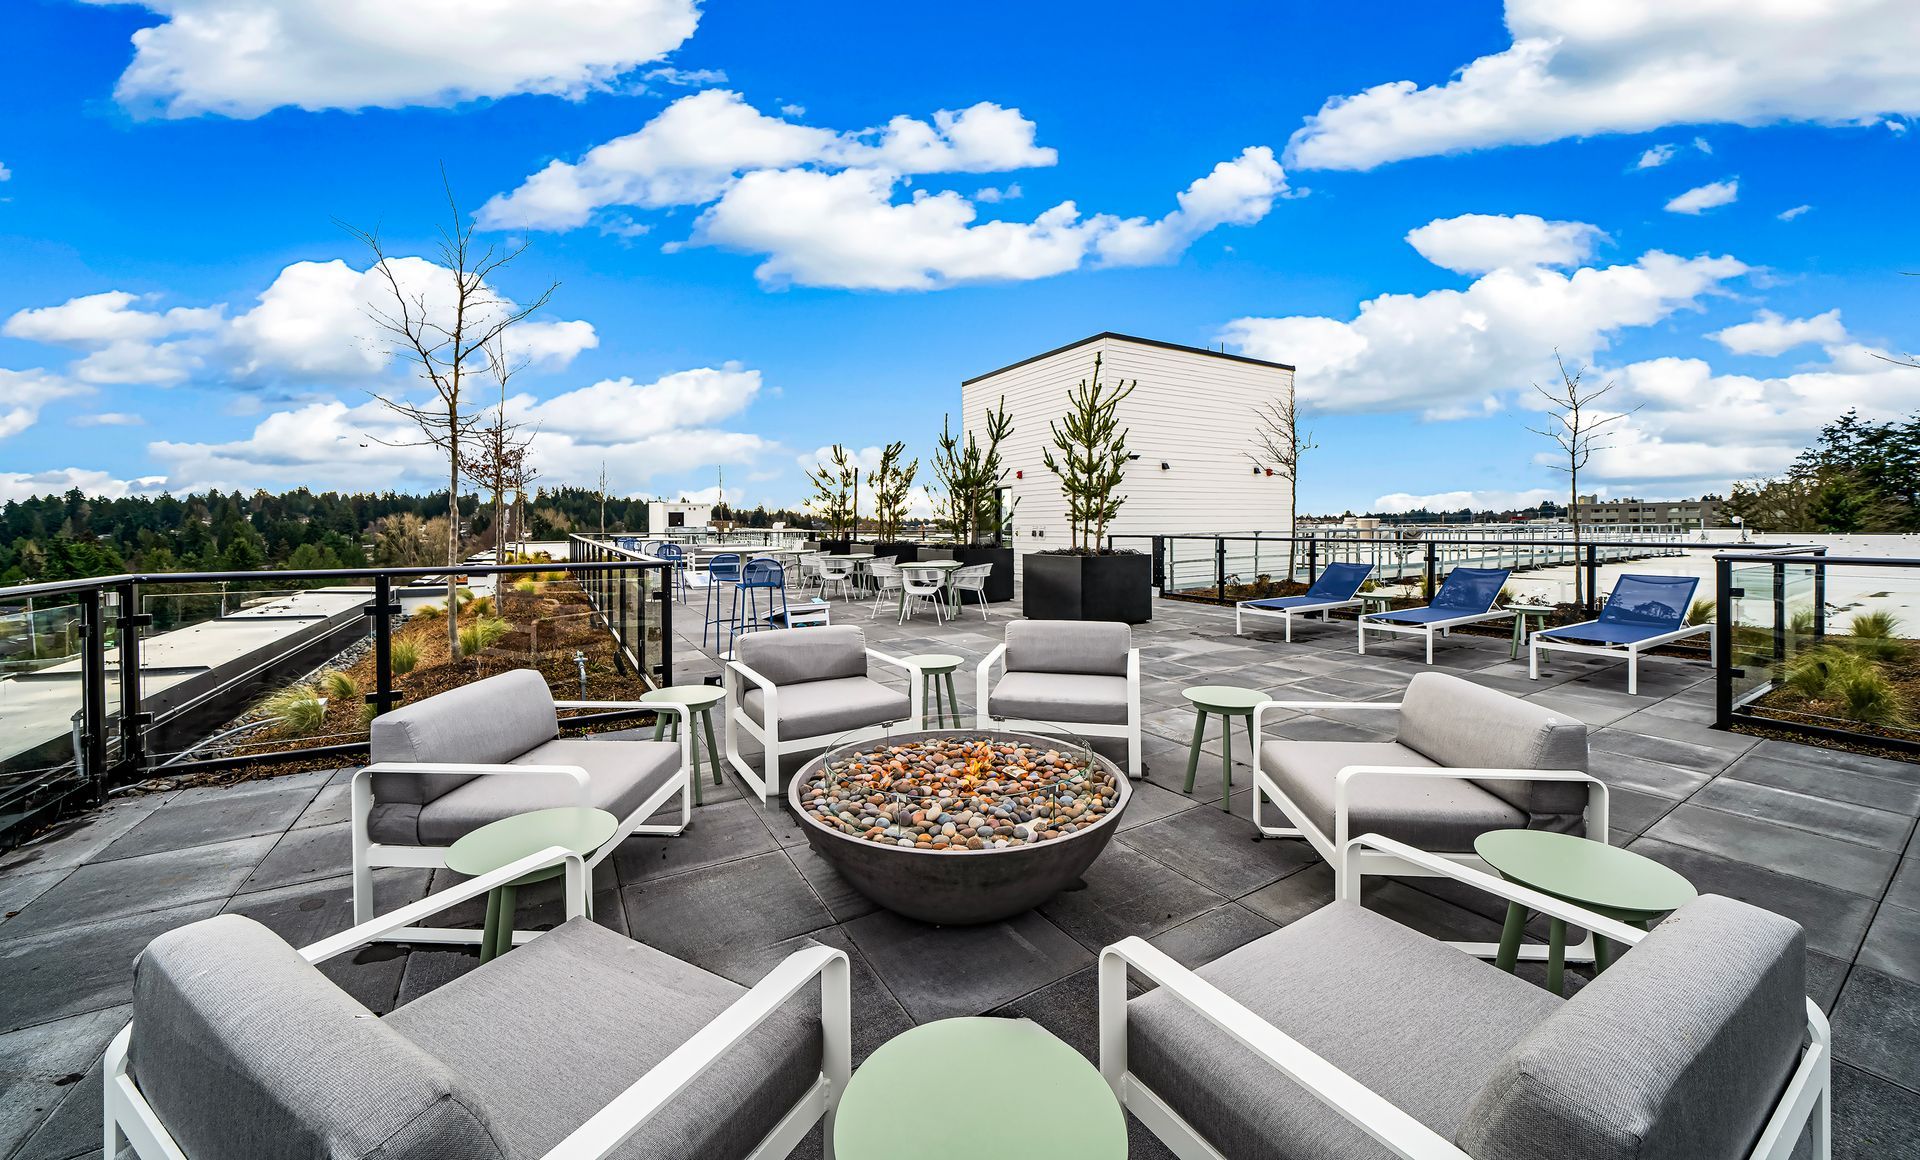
664	517
1190	425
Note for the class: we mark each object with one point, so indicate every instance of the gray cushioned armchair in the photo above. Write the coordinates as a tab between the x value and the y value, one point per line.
580	1044
1464	759
446	766
1082	675
799	689
1346	1036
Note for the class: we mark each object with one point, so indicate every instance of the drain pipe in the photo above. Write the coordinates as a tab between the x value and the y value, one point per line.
580	661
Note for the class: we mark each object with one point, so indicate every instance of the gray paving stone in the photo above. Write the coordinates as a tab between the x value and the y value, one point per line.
1893	944
1880	829
1875	1025
79	969
877	1015
1218	851
303	855
18	889
1126	893
1621	771
937	972
1873	1119
1843	864
721	832
1905	890
241	813
73	1130
1151	802
331	806
1887	767
80	838
1666	750
40	1065
142	885
1631	812
1295	896
1206	937
724	909
1835	920
1828	781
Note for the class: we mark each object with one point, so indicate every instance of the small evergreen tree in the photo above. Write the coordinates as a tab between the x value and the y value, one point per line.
835	488
892	483
1093	457
971	475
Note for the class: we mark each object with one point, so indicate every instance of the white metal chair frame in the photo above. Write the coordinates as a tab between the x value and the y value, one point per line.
1349	872
367	854
838	573
886	579
983	719
1806	1101
129	1119
1538	641
767	783
921	583
1286	615
1429	630
972	578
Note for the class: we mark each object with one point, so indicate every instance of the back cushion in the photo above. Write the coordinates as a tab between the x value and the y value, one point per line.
246	1051
1068	646
1461	725
1677	1052
793	656
489	722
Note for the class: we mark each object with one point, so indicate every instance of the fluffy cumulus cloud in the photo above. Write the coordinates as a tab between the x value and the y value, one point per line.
1452	501
242	58
311	325
1475	243
826	207
1631	66
1701	198
23	393
1771	334
1452	352
19	485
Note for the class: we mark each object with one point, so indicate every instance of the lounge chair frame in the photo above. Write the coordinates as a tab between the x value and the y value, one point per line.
1285	615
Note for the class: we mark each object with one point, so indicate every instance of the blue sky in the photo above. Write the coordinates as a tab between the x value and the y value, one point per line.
745	274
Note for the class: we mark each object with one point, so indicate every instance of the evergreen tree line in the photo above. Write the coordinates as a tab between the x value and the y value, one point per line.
1857	478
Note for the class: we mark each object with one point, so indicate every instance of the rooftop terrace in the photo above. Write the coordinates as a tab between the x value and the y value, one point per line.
1823	837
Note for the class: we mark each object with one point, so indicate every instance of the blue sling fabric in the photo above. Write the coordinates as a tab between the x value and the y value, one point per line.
1336	585
1465	592
1641	607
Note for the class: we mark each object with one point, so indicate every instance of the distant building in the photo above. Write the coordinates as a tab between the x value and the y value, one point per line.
665	516
1680	513
1191	430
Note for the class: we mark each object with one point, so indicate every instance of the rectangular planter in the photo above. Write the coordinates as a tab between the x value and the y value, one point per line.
902	551
1000	580
1117	587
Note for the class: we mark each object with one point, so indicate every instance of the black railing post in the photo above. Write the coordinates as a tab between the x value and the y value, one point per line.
1723	668
133	721
93	683
619	619
383	610
1819	594
1593	578
1780	611
1432	569
1159	563
665	667
1220	567
1313	561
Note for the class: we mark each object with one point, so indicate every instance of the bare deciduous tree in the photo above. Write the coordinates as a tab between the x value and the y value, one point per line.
1575	429
496	455
1281	443
446	342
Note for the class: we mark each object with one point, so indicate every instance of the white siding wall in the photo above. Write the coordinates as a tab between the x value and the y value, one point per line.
1192	410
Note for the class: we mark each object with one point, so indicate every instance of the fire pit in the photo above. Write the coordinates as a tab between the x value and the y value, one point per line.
958	826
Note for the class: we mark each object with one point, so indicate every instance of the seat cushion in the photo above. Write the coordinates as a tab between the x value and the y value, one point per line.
1065	697
824	708
1677	1052
1434	813
552	1031
246	1050
789	656
621	775
1068	646
489	722
1459	724
1413	1019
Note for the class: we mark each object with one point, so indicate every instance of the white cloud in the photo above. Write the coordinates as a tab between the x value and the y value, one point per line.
242	58
693	150
310	325
1238	192
621	410
19	485
1772	334
1655	157
1447	351
5	173
23	393
1475	243
109	419
1633	66
1703	145
690	78
993	195
1706	197
1485	500
865	458
1787	215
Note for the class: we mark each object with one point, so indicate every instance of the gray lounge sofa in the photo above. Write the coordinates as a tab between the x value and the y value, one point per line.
1082	676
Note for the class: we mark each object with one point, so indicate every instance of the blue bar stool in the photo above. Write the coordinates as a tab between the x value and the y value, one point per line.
678	561
761	574
722	569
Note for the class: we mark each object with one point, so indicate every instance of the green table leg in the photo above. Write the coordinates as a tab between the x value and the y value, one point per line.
1226	762
713	748
1516	925
509	902
1519	635
1602	953
1556	954
659	726
1193	751
953	701
693	763
1253	741
490	930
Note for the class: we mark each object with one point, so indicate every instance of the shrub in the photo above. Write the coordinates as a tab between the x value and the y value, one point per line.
526	587
1834	673
301	710
406	657
367	713
466	596
481	634
1873	636
1702	611
339	686
1801	622
479	606
429	612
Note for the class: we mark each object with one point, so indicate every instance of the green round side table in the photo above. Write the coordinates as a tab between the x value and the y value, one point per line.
1522	614
699	701
1225	702
1607	880
1052	1103
934	669
580	829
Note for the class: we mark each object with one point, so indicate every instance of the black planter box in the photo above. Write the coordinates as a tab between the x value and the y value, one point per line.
1117	587
902	551
1000	580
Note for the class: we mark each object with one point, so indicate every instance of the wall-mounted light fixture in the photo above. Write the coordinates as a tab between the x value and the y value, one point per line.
1133	455
1165	466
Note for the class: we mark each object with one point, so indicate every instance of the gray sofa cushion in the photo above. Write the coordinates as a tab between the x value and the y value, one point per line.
1068	646
245	1050
1677	1052
1411	1018
587	1012
788	656
621	774
1444	814
489	722
1064	697
1459	724
824	708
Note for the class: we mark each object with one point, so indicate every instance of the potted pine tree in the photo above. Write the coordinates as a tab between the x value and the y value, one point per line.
892	484
972	511
836	497
1087	581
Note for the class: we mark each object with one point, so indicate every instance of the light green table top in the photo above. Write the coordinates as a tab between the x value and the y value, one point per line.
936	662
930	565
1589	873
1032	1097
580	829
1225	698
692	696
